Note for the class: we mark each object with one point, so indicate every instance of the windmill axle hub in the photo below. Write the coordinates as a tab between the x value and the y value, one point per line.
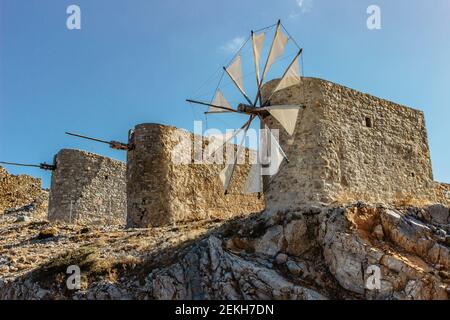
246	108
249	109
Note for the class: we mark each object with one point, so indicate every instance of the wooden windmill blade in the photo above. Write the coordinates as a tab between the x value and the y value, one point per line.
226	139
276	50
286	115
112	144
43	166
257	45
227	174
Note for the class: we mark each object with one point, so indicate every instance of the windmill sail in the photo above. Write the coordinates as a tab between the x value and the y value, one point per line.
277	49
221	101
235	72
257	42
253	183
225	175
286	116
272	154
227	172
276	157
291	77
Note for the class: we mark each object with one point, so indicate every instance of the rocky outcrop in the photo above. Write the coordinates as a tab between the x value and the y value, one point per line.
354	252
411	256
211	272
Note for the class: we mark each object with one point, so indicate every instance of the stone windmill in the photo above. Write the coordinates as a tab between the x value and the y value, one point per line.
259	107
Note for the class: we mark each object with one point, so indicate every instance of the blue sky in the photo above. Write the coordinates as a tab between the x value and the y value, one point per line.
137	61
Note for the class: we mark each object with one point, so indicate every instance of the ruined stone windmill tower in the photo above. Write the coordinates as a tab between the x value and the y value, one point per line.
340	144
271	153
348	145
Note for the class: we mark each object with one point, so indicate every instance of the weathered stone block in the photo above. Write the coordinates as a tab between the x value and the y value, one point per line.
87	188
348	146
165	185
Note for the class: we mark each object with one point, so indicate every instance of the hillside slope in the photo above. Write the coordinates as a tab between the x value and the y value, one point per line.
309	253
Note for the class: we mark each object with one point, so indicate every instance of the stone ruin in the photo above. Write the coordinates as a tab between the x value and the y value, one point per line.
150	190
350	146
22	194
87	188
165	187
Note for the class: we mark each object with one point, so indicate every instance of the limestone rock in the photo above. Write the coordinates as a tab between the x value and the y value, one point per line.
439	213
296	235
272	241
353	252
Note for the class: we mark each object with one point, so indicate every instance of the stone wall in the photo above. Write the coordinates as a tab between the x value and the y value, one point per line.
165	187
88	189
17	191
349	146
443	193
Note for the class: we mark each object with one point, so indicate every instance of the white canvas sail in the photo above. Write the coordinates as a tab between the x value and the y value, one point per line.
258	42
235	72
276	157
253	183
291	77
277	50
271	154
286	116
225	175
220	101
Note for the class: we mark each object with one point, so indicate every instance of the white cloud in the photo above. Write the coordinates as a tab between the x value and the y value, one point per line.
305	5
233	45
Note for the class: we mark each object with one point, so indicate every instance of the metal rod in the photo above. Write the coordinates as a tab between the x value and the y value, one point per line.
112	144
86	137
239	88
20	164
43	166
262	29
211	105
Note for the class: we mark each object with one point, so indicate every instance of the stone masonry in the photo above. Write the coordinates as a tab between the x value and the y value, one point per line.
349	146
165	187
18	190
88	189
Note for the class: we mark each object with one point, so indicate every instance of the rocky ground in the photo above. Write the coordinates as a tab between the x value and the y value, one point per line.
358	251
310	253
